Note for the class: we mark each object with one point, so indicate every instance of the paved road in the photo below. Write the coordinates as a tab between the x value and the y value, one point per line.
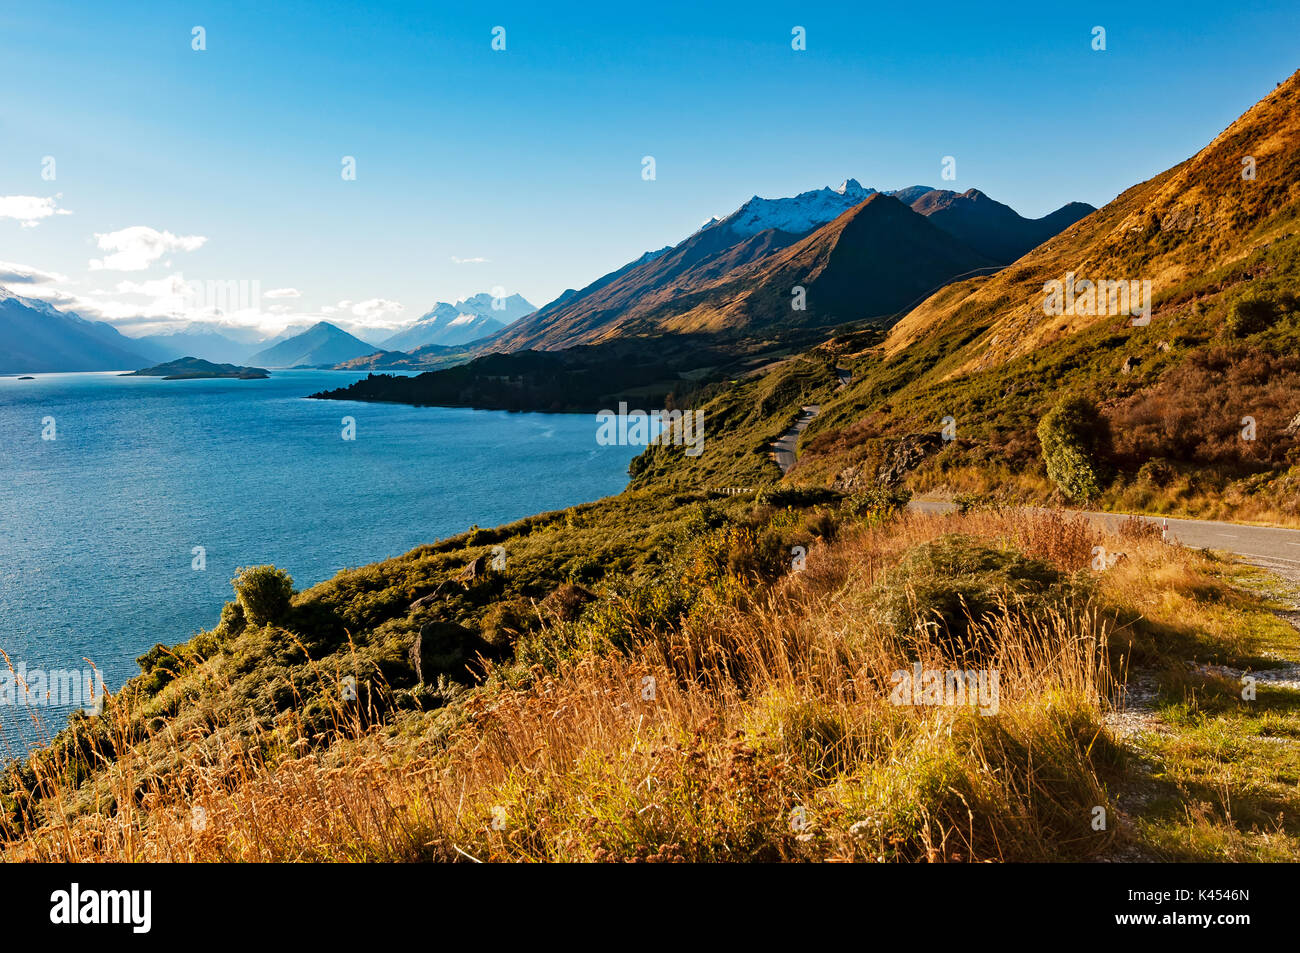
784	448
1276	549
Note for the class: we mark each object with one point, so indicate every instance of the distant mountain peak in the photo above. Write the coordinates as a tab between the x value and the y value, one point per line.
796	214
321	345
706	281
990	227
468	320
37	337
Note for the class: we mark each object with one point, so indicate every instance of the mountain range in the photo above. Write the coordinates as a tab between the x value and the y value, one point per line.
199	342
321	345
1186	382
857	253
447	324
816	259
36	337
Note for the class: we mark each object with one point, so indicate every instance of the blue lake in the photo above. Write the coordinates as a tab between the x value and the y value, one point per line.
98	526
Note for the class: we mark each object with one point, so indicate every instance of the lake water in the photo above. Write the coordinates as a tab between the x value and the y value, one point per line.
98	526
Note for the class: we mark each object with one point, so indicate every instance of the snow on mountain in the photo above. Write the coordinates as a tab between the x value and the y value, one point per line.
484	304
469	320
798	214
36	337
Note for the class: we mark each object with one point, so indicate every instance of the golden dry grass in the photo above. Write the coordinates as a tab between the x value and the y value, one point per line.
756	729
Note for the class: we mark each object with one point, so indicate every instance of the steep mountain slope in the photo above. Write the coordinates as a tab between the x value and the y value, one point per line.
1193	404
1199	215
35	338
655	293
870	262
756	229
995	230
624	295
321	345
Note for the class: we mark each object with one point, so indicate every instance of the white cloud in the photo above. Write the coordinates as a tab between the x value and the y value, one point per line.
139	246
172	286
30	209
376	309
469	261
171	303
13	273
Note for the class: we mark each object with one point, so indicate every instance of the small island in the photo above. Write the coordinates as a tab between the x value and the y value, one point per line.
193	369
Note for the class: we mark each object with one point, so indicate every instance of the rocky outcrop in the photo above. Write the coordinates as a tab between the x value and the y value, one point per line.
476	569
900	458
565	603
905	456
443	648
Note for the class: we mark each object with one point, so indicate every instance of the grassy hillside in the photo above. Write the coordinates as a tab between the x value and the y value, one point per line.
678	673
1171	402
700	696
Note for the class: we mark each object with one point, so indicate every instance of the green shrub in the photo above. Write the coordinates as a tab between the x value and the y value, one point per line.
973	502
232	621
1250	315
1072	435
504	622
801	496
876	504
1157	473
263	593
942	588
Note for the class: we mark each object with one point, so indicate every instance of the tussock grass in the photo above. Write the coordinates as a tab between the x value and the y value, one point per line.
758	725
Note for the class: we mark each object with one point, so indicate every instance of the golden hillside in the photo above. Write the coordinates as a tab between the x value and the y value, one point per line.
1201	214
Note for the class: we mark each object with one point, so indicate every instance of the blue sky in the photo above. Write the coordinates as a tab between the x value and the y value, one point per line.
531	158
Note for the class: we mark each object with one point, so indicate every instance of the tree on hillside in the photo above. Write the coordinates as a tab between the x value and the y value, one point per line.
1072	435
263	592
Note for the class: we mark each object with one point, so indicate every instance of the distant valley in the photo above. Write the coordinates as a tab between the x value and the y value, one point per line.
739	293
36	337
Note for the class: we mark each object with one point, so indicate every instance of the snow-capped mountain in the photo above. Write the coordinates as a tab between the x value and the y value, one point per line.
797	214
449	324
36	337
720	277
512	308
